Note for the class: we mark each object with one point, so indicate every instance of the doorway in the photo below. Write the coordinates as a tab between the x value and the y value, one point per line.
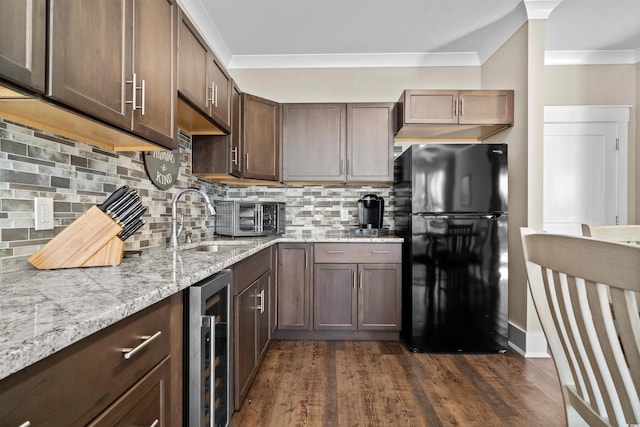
585	167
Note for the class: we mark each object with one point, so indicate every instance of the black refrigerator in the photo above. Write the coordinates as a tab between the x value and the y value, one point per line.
451	209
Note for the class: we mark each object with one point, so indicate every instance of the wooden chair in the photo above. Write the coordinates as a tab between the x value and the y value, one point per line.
615	233
597	358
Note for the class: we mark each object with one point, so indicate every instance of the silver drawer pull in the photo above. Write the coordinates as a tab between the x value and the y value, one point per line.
155	423
25	424
128	352
379	252
335	252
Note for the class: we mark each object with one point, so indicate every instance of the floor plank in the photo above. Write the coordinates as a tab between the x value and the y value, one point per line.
368	383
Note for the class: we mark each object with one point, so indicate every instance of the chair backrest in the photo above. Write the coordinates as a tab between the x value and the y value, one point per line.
595	343
615	233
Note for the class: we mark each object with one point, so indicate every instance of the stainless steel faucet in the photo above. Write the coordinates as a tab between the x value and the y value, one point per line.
177	227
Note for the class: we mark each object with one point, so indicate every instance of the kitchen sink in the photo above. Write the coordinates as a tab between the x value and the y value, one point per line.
216	245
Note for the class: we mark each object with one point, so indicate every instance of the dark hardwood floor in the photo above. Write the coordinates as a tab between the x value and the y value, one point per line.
366	383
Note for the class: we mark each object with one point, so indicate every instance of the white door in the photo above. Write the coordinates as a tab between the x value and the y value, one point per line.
584	172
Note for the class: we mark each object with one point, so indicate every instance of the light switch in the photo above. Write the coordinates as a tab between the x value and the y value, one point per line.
43	207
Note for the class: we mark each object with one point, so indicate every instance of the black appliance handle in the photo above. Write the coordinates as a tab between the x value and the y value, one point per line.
489	215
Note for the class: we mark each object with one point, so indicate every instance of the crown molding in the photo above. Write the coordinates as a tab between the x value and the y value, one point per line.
591	57
364	60
200	18
540	9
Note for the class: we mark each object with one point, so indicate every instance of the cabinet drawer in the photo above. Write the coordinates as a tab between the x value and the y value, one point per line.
145	404
358	253
248	270
77	383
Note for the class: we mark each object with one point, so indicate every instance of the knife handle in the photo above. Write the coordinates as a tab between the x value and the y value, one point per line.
113	197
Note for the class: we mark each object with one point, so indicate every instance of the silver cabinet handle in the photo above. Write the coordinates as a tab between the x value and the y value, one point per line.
455	108
134	88
261	305
215	96
360	285
25	424
155	423
134	94
143	97
335	252
354	280
379	252
234	155
461	108
305	259
146	339
246	161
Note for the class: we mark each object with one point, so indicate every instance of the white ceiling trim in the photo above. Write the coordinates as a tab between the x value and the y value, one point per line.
591	57
540	9
457	59
200	18
503	30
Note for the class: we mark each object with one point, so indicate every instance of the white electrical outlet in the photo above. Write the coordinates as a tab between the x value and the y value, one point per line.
43	207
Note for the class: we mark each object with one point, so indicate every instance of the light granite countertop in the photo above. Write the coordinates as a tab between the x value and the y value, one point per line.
44	311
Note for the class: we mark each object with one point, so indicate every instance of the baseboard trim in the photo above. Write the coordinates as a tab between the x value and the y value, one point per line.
529	345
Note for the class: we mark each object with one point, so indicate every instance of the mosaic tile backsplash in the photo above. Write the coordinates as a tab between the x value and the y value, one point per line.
76	175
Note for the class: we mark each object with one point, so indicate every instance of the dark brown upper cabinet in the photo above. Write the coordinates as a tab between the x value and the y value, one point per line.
253	148
129	81
203	84
337	142
370	142
260	138
22	43
453	114
313	142
234	156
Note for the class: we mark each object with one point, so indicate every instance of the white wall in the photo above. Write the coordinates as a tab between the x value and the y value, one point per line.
351	84
601	85
508	69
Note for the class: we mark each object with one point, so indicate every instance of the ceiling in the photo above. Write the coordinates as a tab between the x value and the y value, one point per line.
347	33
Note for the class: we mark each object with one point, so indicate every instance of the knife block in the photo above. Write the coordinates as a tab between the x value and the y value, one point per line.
89	241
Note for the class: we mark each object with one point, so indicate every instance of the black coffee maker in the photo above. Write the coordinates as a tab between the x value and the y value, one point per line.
370	212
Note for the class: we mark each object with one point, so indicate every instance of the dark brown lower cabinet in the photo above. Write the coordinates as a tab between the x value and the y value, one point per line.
145	404
353	293
92	381
294	286
357	296
252	331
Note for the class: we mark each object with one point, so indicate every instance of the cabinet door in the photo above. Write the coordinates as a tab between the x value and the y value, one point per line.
193	59
490	107
379	296
431	106
260	138
273	291
22	42
86	72
219	92
244	341
370	142
235	157
294	286
263	330
154	63
144	404
313	142
335	296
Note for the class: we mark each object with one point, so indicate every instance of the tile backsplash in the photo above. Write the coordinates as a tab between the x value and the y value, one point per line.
76	175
